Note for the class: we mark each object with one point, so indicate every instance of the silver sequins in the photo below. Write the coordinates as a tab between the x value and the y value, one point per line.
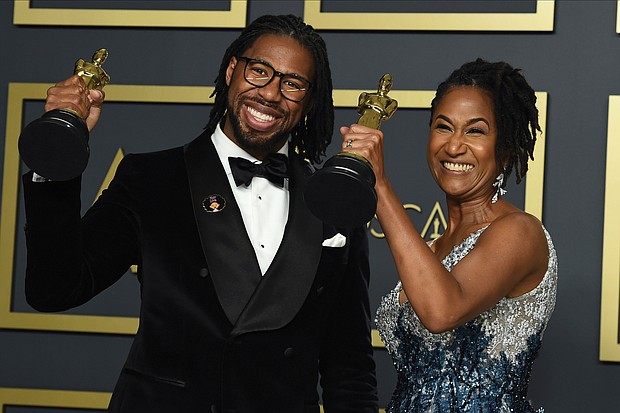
482	366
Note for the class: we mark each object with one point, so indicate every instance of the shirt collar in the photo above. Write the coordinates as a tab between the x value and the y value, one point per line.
226	148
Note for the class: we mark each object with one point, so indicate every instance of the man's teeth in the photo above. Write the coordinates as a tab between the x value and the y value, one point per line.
459	167
262	117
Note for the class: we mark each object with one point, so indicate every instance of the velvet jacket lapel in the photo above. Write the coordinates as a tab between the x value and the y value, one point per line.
286	284
231	262
252	302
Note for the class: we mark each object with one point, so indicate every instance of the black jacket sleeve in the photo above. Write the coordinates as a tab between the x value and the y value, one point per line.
70	258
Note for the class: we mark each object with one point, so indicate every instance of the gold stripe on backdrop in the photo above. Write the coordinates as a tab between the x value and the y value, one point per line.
610	278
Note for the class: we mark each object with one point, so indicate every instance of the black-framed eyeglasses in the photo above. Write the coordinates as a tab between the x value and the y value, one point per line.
259	73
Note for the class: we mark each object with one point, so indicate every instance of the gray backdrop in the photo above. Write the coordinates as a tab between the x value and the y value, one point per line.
575	63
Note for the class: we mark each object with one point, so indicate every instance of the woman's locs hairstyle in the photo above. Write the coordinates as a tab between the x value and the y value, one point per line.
516	114
313	134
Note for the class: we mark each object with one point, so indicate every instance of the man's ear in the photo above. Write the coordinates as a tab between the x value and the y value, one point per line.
230	69
310	105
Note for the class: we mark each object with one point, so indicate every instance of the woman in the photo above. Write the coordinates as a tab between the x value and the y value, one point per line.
464	324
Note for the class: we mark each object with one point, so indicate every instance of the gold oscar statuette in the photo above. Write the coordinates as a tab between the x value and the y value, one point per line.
55	145
375	108
342	193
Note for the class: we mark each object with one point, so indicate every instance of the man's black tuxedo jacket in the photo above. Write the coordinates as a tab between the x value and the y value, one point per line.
214	335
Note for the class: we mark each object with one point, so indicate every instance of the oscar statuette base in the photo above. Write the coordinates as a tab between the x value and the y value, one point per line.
55	146
342	193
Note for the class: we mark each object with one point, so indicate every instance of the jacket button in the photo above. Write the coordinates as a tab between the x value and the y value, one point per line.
319	291
289	353
203	272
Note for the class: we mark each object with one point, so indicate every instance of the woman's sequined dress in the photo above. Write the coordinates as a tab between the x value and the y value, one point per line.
482	366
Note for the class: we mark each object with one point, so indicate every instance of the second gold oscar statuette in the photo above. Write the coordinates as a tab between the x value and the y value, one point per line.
342	193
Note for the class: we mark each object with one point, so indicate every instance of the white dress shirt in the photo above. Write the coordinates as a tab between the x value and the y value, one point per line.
264	206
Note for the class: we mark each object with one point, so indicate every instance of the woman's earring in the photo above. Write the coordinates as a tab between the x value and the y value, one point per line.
499	191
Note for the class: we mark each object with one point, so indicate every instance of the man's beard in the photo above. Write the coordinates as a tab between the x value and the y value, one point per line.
251	141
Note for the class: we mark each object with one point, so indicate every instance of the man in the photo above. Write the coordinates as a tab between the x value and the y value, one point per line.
246	298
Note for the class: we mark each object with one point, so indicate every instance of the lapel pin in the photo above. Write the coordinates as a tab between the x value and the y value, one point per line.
214	203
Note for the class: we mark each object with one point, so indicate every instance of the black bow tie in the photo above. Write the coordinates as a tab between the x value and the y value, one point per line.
274	168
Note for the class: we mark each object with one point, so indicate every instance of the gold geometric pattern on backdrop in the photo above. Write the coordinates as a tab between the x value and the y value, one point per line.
610	279
618	17
19	92
541	20
24	13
